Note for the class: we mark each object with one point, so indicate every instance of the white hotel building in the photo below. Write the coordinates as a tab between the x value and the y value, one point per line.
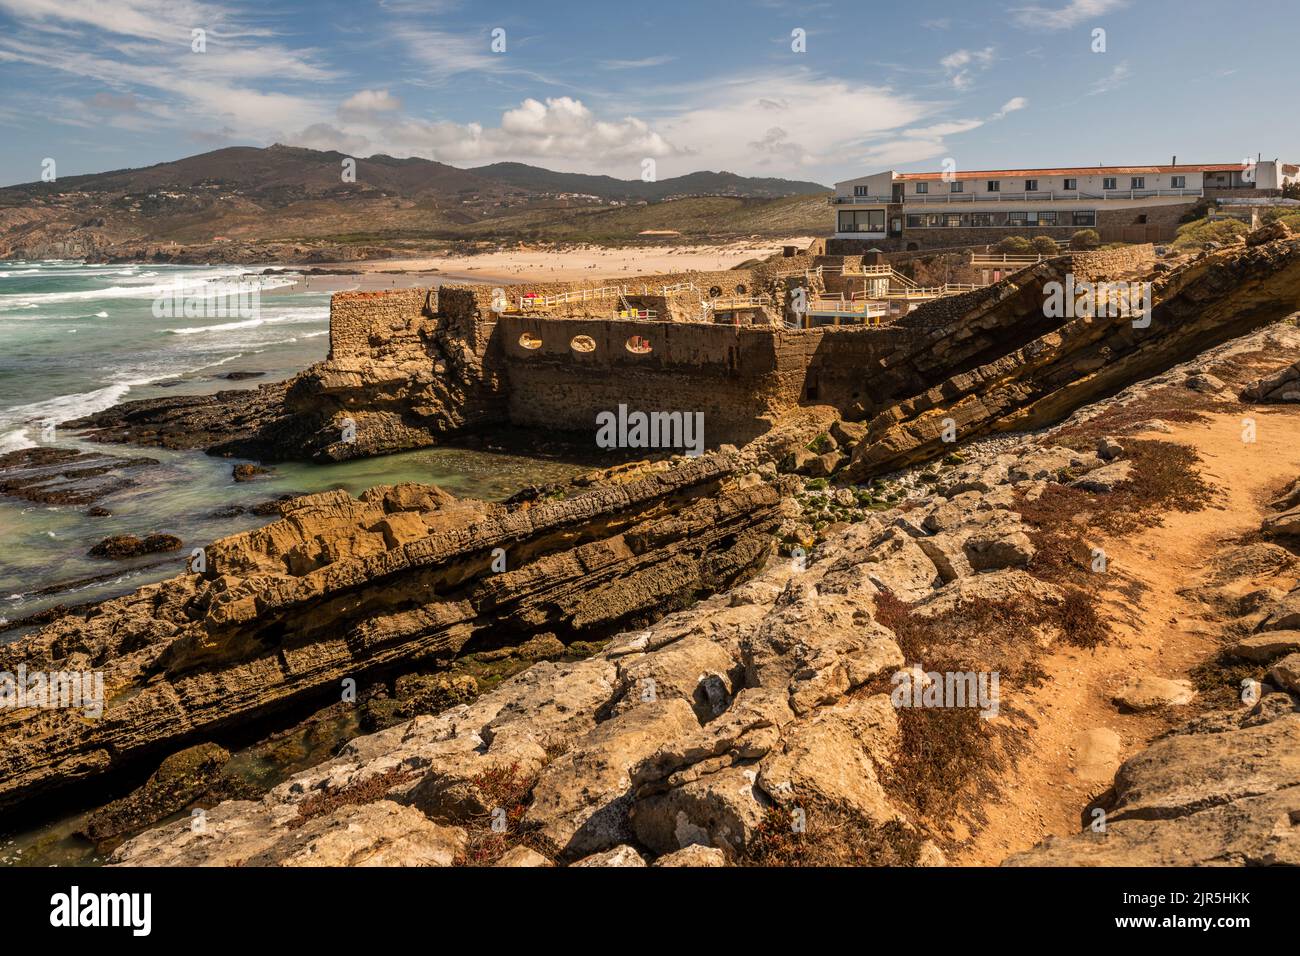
893	210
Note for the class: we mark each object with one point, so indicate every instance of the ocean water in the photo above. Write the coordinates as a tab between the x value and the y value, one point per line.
78	338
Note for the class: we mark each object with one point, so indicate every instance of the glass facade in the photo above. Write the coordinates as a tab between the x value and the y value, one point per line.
997	220
862	220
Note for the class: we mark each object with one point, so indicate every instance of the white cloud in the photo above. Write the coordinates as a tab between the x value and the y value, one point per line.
1062	18
1010	106
560	128
636	64
1111	81
368	106
960	65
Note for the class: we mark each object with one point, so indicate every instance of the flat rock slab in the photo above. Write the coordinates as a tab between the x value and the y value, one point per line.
1145	692
1096	755
1266	646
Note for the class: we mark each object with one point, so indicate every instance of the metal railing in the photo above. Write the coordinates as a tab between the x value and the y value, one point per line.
860	200
577	295
869	309
729	303
1041	195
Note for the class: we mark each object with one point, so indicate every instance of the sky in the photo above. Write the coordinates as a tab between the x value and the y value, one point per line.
820	91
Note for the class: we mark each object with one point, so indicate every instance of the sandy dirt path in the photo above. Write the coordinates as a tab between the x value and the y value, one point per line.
1161	633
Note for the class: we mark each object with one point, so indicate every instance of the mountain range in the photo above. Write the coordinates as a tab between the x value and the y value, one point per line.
285	202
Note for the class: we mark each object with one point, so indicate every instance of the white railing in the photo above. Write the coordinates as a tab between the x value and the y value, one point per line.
577	295
860	200
1041	195
846	307
730	303
995	260
1149	193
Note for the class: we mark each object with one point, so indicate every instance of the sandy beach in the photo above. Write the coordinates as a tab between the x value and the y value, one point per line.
533	265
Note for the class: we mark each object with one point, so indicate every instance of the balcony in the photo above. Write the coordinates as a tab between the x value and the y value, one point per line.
1150	193
1072	195
860	200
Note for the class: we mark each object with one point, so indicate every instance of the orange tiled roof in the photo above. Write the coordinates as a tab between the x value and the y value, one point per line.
1079	171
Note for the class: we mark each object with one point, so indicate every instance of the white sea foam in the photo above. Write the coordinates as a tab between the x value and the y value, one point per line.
284	316
15	440
193	283
65	408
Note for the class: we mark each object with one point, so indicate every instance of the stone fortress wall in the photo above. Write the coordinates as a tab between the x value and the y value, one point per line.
559	366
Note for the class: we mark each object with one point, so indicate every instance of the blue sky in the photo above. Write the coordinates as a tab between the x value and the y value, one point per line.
599	87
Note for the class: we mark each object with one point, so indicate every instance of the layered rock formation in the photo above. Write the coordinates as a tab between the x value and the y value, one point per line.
697	731
340	588
996	361
687	742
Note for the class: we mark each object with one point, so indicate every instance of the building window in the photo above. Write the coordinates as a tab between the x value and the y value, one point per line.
922	188
1178	182
915	222
1017	218
1047	219
954	187
934	220
1109	183
1031	185
953	222
981	219
867	220
860	191
1072	185
1138	182
994	185
1087	217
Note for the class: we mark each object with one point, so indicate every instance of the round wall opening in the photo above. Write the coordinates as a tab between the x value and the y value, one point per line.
639	345
530	341
582	343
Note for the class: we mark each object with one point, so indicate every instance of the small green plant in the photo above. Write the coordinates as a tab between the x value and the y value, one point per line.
1193	235
1085	239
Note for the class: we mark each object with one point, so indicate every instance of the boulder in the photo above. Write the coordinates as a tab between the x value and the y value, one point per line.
995	551
721	809
1266	645
694	855
1108	449
1286	673
618	856
1147	692
581	800
522	856
122	546
1104	479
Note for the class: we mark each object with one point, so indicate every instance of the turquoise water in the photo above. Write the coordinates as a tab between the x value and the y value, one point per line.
76	338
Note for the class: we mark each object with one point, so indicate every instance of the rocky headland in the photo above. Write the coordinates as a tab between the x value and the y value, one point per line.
715	644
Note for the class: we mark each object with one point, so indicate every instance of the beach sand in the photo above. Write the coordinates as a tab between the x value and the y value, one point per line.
537	265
